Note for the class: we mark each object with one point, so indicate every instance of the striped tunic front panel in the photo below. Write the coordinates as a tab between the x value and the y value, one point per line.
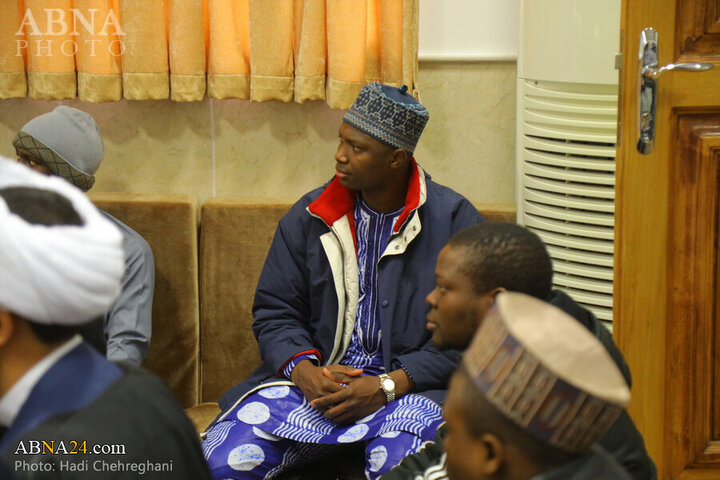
372	231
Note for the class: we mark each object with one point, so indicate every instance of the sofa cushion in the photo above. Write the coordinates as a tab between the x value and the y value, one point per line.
234	241
498	212
169	224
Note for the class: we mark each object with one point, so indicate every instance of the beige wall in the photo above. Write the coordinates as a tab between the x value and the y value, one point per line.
274	152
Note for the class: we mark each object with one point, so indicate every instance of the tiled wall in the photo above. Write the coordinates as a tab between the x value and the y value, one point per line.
274	152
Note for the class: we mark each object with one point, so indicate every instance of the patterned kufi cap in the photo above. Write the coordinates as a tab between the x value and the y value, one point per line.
389	115
68	142
546	372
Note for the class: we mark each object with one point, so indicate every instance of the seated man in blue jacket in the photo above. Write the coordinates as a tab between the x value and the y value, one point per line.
339	310
477	264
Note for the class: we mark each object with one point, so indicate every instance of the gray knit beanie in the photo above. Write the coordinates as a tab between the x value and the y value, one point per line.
67	141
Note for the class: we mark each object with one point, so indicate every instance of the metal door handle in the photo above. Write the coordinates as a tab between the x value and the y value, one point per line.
648	72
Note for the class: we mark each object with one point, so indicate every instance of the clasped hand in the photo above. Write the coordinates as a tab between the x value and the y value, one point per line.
324	387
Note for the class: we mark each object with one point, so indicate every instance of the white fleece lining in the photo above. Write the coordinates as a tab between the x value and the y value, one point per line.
398	243
334	255
347	285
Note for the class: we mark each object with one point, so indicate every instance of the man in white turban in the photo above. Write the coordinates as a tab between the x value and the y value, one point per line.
66	143
61	265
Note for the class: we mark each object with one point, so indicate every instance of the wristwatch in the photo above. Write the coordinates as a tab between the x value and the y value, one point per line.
387	385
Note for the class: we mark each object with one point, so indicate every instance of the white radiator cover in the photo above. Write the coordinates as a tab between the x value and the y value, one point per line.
567	98
566	186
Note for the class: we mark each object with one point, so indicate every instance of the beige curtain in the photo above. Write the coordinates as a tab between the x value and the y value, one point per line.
286	50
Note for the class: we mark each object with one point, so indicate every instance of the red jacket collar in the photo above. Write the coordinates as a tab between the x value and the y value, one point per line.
337	201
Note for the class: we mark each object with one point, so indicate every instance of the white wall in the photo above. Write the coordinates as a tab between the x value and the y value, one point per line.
468	30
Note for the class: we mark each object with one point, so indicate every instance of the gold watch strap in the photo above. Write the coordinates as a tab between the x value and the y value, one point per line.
390	394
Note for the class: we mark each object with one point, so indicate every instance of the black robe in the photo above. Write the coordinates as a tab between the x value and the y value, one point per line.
136	416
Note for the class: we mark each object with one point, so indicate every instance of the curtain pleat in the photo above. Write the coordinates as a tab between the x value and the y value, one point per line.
229	49
310	50
347	52
271	47
145	59
187	49
51	49
284	50
99	50
13	83
391	42
411	20
373	42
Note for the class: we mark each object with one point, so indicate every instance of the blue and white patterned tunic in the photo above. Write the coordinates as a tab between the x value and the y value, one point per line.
372	231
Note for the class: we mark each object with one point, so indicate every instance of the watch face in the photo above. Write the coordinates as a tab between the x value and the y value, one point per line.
388	384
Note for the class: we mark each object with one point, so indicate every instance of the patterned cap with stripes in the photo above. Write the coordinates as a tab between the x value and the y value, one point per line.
546	372
388	114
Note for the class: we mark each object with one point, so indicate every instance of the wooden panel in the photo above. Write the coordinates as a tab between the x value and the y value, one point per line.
692	294
641	251
699	474
698	30
712	17
716	356
666	240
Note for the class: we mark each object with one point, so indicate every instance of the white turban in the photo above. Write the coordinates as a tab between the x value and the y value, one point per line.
57	275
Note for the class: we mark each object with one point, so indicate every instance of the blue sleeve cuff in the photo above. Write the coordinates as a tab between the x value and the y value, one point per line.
398	364
292	363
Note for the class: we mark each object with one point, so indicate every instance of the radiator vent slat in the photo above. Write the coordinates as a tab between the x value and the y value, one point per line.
576	242
570	147
587	177
581	257
569	132
572	161
569	201
569	215
558	186
586	284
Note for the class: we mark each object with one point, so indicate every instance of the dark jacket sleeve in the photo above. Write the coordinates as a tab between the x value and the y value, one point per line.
429	456
429	368
605	337
5	471
281	309
623	441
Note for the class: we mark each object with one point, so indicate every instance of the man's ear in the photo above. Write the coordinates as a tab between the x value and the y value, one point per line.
493	293
488	298
7	327
399	158
494	454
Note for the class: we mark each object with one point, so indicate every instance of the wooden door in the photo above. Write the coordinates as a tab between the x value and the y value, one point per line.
666	245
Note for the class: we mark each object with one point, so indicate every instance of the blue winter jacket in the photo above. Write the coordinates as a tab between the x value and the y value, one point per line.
307	296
